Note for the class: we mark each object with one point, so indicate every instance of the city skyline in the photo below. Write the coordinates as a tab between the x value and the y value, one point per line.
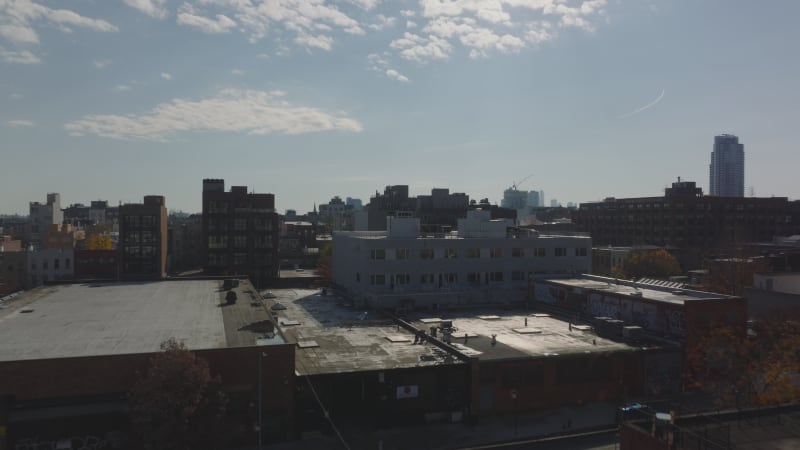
117	100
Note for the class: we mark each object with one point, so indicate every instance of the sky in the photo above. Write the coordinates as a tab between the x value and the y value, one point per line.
307	99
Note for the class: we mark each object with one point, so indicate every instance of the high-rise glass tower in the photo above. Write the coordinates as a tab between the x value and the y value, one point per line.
726	171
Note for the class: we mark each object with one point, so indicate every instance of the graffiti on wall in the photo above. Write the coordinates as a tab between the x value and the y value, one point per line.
110	441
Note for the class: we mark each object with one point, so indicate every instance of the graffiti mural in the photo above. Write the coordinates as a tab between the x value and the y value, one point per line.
111	440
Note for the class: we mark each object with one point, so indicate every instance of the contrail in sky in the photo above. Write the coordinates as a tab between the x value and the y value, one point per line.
645	107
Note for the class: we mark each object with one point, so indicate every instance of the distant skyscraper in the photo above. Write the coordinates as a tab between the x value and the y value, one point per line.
726	171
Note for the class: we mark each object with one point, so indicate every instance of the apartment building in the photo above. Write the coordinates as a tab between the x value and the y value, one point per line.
240	233
143	238
484	261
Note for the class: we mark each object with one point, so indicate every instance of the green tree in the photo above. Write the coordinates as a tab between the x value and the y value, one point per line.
178	405
651	263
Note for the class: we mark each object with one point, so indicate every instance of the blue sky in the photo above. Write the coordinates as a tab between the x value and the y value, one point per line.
117	99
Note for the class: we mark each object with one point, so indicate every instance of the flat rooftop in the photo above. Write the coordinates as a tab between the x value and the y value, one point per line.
648	292
519	334
94	319
333	337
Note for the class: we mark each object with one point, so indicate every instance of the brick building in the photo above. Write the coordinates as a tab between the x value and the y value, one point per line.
71	353
143	238
240	233
687	219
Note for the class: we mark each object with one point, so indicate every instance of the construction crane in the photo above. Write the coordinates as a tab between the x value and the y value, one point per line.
515	184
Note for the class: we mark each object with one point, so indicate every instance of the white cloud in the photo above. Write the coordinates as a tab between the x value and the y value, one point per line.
153	8
122	87
19	33
236	72
380	63
318	41
18	19
417	48
188	15
102	64
300	18
231	110
364	4
19	123
395	75
483	27
166	75
383	22
20	57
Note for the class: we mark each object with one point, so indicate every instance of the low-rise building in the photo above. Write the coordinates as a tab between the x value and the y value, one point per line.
48	265
484	261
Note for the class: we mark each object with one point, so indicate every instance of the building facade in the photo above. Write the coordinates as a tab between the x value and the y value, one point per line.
143	239
484	261
240	233
726	171
42	216
686	219
48	265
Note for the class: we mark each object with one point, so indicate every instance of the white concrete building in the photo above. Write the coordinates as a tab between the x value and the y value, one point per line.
485	261
50	265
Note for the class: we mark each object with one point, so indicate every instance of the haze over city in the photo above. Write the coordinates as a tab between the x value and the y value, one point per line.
120	99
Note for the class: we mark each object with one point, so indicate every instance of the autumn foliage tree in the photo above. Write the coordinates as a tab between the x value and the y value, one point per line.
740	369
324	268
99	242
651	263
178	405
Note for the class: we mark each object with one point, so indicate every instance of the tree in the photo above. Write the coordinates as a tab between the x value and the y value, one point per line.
324	269
651	263
99	242
178	404
740	369
731	275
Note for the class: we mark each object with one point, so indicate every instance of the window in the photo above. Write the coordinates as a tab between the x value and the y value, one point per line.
377	280
517	253
378	253
495	276
540	252
240	241
496	253
517	275
426	278
401	253
358	277
148	251
148	221
240	224
561	251
56	264
450	253
473	253
402	278
44	265
148	237
426	253
581	251
33	266
132	221
217	241
451	277
239	259
474	277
